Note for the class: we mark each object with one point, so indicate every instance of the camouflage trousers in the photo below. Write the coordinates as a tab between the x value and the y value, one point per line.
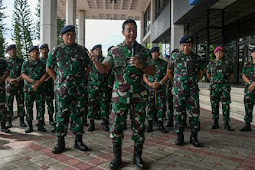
186	99
220	93
69	106
3	110
120	108
170	112
18	92
156	107
49	98
97	104
249	99
39	98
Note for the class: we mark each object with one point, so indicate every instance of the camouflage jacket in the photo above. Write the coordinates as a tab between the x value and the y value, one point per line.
249	71
35	69
96	80
161	68
127	77
14	65
3	69
220	71
70	63
185	67
49	85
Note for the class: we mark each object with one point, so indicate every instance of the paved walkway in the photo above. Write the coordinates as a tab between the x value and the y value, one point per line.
220	149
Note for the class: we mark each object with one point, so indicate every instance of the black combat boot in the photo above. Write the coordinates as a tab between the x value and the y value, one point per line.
150	126
60	147
246	128
215	124
106	125
4	128
137	159
29	127
22	122
91	125
78	144
9	123
51	120
193	139
116	161
180	139
170	122
125	125
40	126
161	127
227	126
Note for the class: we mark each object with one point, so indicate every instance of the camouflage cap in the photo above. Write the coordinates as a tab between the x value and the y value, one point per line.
10	47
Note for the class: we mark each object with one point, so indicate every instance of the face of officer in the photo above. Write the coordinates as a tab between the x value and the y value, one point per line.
219	55
69	38
12	52
44	52
130	33
253	56
155	55
97	52
186	48
34	54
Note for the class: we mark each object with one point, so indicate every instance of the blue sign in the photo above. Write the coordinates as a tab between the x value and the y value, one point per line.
194	2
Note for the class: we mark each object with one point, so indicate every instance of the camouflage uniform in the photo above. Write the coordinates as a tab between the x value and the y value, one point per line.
3	111
14	65
161	67
49	93
185	89
249	97
170	112
129	91
70	63
220	88
35	69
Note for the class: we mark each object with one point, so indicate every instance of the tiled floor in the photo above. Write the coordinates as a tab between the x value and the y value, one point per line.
220	149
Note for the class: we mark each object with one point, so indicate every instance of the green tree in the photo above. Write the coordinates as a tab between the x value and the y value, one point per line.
60	25
2	30
37	25
22	26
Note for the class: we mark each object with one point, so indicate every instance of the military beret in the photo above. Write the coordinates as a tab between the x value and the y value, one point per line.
33	48
167	56
186	39
67	29
110	48
253	50
153	49
44	46
175	51
97	46
10	47
219	48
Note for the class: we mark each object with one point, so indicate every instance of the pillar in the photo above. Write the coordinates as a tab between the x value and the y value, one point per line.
81	27
70	12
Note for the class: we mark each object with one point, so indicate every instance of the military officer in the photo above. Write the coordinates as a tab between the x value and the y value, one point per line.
185	69
248	76
49	85
129	61
4	72
97	87
67	64
14	86
219	73
34	73
156	104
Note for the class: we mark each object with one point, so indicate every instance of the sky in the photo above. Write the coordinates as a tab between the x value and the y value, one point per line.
105	32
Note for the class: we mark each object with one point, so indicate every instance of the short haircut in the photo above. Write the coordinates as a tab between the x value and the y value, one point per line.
126	22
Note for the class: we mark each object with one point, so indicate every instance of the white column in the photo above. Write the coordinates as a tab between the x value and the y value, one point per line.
81	27
48	22
70	12
142	28
177	31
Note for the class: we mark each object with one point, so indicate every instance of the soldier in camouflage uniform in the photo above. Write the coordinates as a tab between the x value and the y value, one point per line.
97	87
219	72
34	74
185	69
4	72
49	85
156	104
248	76
14	86
129	61
67	64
